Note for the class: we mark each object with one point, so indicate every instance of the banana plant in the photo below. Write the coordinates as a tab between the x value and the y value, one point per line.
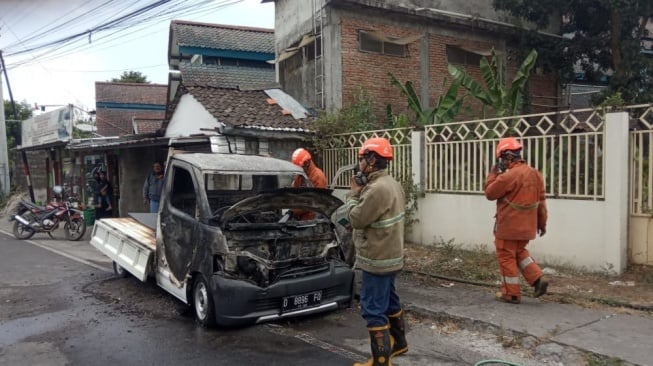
506	101
445	110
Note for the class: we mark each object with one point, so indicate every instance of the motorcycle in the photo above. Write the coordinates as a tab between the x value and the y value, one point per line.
31	218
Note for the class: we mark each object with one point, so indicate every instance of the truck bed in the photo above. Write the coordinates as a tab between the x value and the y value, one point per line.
127	242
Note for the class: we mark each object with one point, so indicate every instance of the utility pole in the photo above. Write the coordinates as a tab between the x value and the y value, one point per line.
4	178
4	159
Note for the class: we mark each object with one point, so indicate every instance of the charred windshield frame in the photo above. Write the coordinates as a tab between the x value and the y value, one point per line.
226	189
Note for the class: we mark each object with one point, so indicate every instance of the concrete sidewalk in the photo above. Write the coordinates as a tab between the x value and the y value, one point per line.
543	327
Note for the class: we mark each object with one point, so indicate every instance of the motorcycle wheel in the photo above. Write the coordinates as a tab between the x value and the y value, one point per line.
54	227
22	232
75	229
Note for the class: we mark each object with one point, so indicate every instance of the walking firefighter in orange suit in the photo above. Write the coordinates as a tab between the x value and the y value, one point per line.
521	214
303	159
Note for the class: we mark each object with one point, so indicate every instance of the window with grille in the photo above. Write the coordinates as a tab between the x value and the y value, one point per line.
224	61
367	43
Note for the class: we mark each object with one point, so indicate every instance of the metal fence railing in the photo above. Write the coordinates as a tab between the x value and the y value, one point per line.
564	146
567	147
641	156
342	150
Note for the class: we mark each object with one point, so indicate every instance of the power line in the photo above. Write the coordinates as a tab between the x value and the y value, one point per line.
139	17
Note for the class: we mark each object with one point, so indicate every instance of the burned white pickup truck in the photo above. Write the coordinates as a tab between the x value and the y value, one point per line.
222	241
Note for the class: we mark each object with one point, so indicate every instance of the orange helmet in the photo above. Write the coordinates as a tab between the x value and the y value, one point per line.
508	144
300	157
381	146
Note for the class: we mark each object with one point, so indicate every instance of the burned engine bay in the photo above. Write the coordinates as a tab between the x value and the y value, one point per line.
263	252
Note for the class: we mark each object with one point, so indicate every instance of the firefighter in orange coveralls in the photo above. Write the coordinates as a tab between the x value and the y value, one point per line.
521	214
376	213
302	158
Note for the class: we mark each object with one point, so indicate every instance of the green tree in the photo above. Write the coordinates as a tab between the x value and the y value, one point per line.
445	110
14	125
506	101
599	35
131	77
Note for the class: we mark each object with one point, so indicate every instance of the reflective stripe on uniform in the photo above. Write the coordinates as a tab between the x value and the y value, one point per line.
351	203
525	262
380	262
511	280
387	222
519	207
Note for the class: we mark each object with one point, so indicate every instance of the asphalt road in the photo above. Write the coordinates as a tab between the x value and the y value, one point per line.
57	311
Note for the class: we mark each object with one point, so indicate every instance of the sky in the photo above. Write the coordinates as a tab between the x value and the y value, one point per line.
58	75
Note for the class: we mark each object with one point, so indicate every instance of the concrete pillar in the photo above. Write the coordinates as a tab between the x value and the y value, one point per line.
417	160
4	159
616	190
425	76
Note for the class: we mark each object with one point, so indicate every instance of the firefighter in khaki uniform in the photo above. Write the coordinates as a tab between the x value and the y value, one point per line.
521	214
376	213
303	159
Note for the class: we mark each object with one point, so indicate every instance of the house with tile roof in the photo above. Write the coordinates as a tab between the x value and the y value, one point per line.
222	95
223	84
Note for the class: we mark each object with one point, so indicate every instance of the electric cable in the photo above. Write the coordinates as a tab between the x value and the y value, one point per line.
139	17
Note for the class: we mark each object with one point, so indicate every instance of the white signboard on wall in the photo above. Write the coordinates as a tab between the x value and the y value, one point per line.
48	127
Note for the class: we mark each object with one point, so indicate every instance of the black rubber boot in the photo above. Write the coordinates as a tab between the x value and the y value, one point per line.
381	346
539	287
398	333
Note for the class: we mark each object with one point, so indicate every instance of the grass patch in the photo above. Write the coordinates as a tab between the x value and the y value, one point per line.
595	360
448	258
568	284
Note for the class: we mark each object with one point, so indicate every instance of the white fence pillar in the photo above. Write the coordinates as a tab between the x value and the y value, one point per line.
616	191
417	159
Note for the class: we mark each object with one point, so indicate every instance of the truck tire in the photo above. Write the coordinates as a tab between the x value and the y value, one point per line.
203	303
119	271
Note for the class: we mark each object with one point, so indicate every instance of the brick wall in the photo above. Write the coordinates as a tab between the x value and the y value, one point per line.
370	70
118	121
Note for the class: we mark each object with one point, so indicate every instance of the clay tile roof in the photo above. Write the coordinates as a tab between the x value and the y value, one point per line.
227	76
144	126
225	37
246	109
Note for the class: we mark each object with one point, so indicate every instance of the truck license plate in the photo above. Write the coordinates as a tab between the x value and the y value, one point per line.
298	302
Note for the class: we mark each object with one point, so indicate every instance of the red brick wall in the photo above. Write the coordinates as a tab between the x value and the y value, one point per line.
370	70
118	122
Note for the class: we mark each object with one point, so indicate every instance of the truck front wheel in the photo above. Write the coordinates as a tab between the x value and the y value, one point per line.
203	303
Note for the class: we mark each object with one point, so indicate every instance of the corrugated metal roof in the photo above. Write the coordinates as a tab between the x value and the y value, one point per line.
123	141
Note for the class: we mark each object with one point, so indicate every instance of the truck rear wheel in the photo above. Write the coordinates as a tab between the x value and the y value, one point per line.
203	303
119	271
